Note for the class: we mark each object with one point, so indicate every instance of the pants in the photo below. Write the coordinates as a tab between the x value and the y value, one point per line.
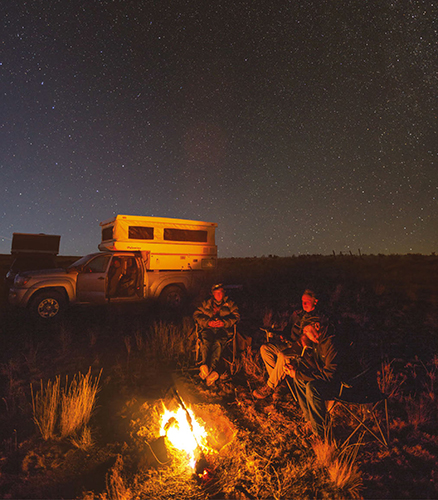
275	356
213	342
312	397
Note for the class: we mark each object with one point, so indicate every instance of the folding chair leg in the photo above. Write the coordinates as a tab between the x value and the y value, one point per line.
361	423
292	391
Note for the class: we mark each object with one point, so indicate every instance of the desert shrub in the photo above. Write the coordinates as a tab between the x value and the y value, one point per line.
60	412
346	477
340	465
325	452
77	403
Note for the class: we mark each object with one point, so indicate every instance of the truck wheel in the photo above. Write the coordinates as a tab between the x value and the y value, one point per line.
173	297
47	305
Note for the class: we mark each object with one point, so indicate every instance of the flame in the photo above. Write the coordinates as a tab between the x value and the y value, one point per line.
176	427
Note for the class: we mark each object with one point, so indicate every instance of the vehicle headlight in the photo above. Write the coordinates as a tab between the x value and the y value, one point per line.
21	280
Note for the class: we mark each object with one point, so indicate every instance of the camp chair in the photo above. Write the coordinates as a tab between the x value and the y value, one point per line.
231	344
361	397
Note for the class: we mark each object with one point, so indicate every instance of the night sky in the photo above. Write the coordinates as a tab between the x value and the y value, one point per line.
300	127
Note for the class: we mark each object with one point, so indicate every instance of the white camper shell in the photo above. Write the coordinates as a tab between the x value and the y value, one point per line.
165	244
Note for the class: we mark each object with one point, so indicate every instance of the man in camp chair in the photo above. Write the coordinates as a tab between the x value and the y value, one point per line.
215	319
282	345
315	373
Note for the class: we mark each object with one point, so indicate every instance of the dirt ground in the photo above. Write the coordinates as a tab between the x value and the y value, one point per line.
385	306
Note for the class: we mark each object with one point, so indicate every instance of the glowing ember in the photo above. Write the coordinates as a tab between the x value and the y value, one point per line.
189	438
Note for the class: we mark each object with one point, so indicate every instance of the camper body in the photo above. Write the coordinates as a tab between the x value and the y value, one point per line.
166	244
119	275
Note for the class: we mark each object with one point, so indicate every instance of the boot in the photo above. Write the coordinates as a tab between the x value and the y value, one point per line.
204	371
263	392
212	377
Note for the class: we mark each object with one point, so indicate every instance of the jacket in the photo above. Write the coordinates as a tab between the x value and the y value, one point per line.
320	361
227	311
298	320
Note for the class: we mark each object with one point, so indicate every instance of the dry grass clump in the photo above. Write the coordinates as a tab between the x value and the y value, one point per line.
83	440
45	404
420	411
251	365
61	412
390	383
77	402
430	385
115	484
169	343
340	465
346	477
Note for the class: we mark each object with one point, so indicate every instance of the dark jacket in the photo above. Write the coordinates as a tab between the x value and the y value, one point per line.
298	320
320	361
226	311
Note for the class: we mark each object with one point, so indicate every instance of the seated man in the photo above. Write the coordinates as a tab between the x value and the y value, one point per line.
275	353
116	273
128	282
315	374
216	317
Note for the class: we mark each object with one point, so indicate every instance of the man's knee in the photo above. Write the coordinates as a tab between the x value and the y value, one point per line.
265	352
281	358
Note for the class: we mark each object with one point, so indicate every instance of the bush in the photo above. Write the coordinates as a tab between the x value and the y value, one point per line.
58	412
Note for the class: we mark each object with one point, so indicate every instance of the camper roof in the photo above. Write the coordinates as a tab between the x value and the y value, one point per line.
158	220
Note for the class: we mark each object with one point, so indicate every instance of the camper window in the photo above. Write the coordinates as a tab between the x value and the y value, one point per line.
107	233
185	235
141	233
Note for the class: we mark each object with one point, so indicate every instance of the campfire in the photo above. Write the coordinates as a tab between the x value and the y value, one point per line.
190	438
187	433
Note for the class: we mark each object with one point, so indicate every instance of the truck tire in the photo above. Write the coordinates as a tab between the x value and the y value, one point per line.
173	297
47	306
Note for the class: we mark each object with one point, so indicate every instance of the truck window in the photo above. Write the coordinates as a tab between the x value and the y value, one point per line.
98	265
197	236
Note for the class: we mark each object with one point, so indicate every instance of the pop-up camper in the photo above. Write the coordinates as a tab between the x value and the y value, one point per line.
165	244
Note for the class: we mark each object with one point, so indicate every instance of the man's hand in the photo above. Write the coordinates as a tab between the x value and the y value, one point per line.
290	370
216	323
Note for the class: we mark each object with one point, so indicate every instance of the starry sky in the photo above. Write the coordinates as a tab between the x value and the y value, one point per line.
300	127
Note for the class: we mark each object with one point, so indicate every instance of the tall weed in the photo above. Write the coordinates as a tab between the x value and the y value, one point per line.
77	403
45	405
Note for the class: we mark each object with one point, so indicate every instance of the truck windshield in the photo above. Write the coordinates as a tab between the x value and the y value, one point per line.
93	263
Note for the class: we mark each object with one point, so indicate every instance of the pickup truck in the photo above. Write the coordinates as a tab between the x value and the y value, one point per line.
101	278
